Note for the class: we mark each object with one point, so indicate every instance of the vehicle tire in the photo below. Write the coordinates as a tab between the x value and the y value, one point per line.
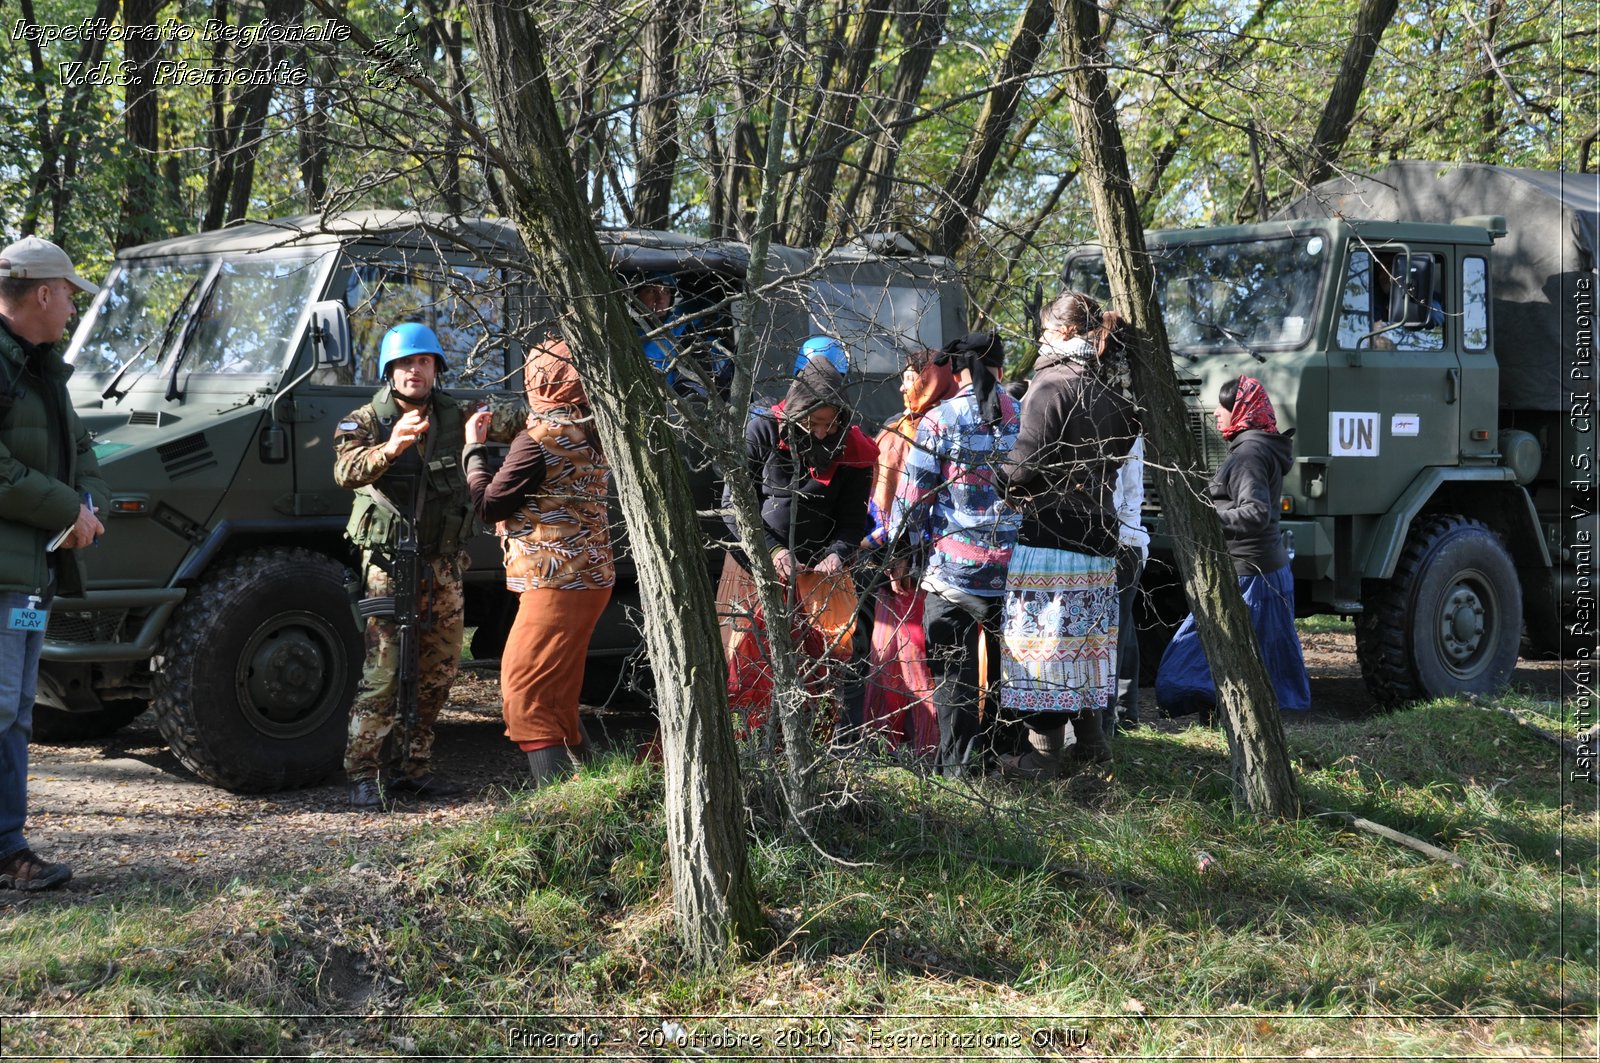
257	671
1450	619
60	725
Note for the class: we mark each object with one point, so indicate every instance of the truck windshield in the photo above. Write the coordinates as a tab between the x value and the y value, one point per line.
240	322
1246	294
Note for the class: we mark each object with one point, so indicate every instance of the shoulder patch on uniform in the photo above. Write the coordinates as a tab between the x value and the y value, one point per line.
348	426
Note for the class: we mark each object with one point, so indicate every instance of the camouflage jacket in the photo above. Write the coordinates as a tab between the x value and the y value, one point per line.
445	520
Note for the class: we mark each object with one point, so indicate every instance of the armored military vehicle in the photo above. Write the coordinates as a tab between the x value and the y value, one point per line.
212	370
1428	332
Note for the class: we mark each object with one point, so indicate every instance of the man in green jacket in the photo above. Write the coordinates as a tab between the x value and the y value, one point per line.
50	488
410	433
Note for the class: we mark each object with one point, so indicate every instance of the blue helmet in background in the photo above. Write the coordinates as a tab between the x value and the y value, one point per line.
403	341
825	347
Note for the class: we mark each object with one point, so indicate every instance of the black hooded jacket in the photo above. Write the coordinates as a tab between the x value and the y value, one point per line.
1245	492
825	514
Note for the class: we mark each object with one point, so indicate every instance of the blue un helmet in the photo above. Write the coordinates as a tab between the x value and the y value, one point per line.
403	341
825	347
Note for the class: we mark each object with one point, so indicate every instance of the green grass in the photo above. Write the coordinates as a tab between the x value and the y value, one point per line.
991	908
1325	624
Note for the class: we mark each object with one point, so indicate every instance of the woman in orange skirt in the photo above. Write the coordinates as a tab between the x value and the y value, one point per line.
548	500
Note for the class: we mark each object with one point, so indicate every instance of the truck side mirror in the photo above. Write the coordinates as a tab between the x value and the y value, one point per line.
1411	301
330	332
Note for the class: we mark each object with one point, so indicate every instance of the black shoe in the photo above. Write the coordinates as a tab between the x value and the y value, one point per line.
429	785
366	794
23	870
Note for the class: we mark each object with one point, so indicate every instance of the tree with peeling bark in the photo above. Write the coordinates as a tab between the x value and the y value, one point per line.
952	218
1263	781
1333	129
714	897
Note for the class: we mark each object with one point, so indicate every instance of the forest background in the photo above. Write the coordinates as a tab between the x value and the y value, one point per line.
945	121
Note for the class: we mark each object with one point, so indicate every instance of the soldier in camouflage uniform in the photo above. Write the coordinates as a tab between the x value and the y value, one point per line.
410	433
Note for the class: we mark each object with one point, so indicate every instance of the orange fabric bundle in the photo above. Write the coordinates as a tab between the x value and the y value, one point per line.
822	633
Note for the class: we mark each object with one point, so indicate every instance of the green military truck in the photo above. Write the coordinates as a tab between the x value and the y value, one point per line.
1428	332
212	370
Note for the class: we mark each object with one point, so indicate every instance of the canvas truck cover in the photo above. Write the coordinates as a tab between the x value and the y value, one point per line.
1551	242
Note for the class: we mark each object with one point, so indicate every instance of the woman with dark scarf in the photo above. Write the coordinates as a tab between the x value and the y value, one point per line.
898	703
812	470
1245	492
951	517
1060	620
548	500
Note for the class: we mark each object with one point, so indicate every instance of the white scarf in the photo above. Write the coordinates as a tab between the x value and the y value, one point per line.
1053	348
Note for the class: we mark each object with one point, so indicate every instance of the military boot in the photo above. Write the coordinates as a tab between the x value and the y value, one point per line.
366	795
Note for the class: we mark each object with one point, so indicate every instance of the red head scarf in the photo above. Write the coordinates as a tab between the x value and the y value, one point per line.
551	378
1251	409
935	383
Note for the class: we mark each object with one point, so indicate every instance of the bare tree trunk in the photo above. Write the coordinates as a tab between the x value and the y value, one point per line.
313	136
1489	124
658	112
824	56
714	897
838	107
1263	781
953	215
922	28
788	693
742	158
446	34
219	138
1339	112
230	201
59	140
140	126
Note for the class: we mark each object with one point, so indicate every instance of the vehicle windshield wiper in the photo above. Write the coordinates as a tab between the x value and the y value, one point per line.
1236	338
188	328
111	391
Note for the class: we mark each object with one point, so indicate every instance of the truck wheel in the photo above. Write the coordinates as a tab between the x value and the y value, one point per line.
259	667
59	725
1448	622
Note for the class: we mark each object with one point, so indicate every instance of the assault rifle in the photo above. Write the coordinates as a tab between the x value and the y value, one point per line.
405	562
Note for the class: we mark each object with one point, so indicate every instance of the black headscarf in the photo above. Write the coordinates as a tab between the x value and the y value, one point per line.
978	352
817	384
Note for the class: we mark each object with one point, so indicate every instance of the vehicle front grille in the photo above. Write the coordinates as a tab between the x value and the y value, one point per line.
1211	448
101	626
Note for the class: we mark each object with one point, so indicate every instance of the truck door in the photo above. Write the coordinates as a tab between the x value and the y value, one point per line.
1394	399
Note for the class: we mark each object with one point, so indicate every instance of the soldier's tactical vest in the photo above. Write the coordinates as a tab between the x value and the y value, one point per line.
447	520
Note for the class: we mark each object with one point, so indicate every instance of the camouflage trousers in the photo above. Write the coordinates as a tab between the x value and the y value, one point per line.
376	713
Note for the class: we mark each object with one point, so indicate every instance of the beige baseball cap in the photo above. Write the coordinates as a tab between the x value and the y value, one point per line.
31	258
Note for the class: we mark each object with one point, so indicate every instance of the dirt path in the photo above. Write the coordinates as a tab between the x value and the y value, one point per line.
123	809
